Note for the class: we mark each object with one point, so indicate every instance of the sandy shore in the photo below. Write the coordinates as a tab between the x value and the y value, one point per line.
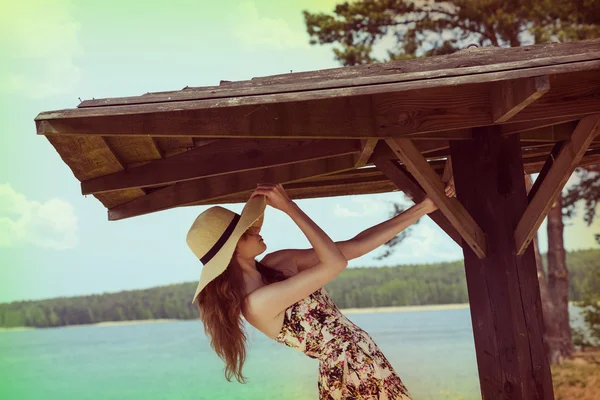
366	310
433	307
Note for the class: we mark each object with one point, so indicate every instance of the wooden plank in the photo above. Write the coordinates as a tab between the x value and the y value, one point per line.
205	189
132	149
367	147
324	188
174	145
521	127
470	61
402	179
571	94
457	134
511	96
503	289
533	189
219	158
384	115
551	187
434	187
571	69
549	134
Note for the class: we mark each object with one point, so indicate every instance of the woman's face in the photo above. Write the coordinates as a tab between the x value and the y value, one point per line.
251	244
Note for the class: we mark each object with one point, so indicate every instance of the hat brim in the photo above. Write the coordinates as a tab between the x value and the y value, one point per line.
252	215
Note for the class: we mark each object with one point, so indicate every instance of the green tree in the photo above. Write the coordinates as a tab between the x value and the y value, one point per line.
405	29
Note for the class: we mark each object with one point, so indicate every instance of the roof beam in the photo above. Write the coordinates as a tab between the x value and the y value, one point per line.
368	184
219	158
556	177
431	182
367	147
381	115
511	96
406	183
207	189
516	127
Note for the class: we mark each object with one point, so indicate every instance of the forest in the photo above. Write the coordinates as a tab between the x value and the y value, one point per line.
401	285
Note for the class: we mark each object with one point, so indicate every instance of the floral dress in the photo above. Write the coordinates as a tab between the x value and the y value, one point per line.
351	365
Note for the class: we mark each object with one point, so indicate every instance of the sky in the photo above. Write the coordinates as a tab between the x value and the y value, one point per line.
54	241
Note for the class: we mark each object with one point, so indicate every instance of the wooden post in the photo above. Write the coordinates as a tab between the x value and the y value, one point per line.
504	295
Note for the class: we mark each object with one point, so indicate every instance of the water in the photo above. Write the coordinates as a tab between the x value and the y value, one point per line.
432	351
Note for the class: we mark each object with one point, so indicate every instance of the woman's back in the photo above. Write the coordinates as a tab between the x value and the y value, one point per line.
351	364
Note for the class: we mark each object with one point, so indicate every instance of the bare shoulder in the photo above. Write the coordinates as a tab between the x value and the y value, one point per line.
281	260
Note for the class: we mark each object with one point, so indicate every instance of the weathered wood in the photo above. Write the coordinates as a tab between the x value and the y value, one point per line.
434	187
469	61
555	180
221	157
550	160
205	189
571	94
324	188
402	179
511	96
522	127
367	147
395	113
503	288
457	134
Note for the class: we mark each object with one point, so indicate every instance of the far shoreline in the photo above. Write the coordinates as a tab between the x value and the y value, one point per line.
346	311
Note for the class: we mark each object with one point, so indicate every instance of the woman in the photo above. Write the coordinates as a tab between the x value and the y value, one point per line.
283	295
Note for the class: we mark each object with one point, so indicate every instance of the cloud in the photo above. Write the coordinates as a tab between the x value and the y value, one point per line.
426	243
341	211
256	31
367	206
52	224
38	47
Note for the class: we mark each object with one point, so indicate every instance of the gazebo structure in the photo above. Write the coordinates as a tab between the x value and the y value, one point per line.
496	113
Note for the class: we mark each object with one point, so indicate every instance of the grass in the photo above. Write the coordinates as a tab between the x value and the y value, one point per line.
579	377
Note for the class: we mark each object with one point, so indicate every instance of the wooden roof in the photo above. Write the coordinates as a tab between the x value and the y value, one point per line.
321	132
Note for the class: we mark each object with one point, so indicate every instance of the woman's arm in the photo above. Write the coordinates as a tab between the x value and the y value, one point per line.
363	243
271	300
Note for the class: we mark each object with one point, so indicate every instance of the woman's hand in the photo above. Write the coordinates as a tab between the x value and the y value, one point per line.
275	194
430	206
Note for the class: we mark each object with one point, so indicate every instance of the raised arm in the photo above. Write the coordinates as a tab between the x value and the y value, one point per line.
361	244
271	300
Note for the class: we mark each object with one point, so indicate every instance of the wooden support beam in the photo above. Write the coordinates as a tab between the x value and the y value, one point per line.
431	182
368	115
520	127
324	188
556	178
533	189
511	96
367	146
207	189
219	158
503	288
402	179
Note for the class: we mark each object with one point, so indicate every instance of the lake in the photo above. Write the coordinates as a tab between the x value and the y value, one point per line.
432	351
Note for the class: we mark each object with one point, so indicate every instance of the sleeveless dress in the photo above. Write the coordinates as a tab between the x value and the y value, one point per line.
351	366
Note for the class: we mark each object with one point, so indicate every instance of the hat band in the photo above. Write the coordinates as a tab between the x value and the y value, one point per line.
224	237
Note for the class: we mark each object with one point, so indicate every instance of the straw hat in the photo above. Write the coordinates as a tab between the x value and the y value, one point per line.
215	233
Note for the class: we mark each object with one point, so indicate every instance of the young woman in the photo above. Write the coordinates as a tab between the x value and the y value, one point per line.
283	295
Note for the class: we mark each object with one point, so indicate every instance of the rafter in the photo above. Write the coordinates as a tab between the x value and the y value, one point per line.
402	179
207	189
221	157
431	182
556	177
367	147
511	96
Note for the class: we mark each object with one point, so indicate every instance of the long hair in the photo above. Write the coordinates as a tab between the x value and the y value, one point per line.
220	309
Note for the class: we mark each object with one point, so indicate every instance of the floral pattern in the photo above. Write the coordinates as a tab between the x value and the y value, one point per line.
351	366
